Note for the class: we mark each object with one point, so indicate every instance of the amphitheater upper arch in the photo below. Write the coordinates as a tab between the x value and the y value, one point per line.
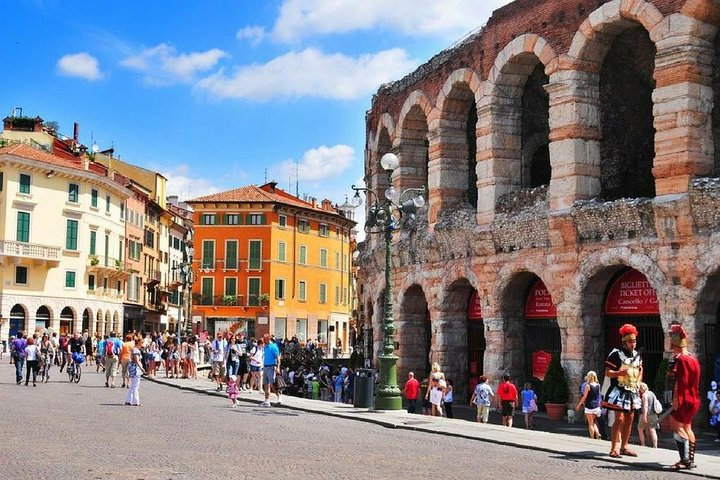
515	62
416	98
707	11
509	274
594	37
461	76
385	122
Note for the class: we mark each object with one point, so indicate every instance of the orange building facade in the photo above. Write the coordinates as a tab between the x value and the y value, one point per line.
268	262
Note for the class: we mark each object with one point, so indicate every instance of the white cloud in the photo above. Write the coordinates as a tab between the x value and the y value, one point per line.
186	186
163	65
320	163
254	34
80	65
302	18
309	72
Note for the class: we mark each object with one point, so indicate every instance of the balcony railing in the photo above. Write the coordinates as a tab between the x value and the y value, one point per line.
109	266
220	300
34	251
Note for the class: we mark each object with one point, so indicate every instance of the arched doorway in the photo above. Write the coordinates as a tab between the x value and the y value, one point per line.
630	298
475	340
17	320
542	333
67	317
42	318
86	319
414	333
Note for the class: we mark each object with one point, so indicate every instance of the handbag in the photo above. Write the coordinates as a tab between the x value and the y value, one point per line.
533	405
657	406
280	382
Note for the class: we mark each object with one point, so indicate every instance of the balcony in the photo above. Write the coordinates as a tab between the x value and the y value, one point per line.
106	294
219	300
102	265
12	253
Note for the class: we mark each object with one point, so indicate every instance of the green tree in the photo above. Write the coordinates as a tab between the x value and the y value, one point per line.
555	387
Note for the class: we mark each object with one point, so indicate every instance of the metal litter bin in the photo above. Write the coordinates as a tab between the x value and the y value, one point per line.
364	388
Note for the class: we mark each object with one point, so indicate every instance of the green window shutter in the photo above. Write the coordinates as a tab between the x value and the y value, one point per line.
240	219
208	255
91	282
231	286
69	279
255	262
263	219
231	254
71	235
94	198
223	218
93	242
23	227
24	183
207	291
253	292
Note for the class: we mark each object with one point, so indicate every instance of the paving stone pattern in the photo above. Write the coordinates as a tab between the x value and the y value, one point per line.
83	431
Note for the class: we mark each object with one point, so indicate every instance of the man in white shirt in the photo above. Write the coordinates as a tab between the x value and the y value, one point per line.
218	350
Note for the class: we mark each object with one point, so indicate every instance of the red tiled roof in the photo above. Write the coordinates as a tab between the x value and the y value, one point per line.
26	151
253	193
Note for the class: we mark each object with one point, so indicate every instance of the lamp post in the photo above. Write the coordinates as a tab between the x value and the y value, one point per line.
386	214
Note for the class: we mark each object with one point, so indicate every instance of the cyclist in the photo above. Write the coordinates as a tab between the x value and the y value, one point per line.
47	354
76	345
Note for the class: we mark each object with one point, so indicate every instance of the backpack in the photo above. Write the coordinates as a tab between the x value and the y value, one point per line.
110	349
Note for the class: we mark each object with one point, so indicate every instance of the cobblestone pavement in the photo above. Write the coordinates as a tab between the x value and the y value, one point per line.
83	431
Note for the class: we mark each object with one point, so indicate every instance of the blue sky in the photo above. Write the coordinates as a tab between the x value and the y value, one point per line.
215	93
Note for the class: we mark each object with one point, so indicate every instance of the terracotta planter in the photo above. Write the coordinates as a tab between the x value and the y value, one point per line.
555	411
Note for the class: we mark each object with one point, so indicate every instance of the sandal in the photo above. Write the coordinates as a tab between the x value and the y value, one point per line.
683	465
614	454
628	453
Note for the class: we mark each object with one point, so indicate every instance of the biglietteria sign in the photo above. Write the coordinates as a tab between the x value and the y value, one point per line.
539	302
632	294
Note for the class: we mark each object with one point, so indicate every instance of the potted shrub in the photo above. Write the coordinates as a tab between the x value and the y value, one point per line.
94	261
555	391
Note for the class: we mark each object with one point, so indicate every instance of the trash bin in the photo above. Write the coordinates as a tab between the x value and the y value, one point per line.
364	388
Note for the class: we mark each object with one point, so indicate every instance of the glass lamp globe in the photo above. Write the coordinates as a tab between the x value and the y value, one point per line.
389	161
419	201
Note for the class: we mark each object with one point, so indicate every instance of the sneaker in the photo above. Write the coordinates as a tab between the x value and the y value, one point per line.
717	440
279	400
265	404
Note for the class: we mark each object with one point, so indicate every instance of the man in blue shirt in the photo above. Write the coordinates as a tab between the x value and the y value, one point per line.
271	367
17	351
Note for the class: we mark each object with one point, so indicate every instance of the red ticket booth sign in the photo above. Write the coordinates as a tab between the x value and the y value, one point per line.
539	302
632	294
475	307
540	363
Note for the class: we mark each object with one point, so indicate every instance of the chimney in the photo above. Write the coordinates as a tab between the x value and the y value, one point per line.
272	186
313	201
76	132
327	205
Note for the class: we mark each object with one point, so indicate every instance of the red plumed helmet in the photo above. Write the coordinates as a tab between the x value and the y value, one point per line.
628	329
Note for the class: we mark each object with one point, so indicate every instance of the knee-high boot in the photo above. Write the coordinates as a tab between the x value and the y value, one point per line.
683	447
691	455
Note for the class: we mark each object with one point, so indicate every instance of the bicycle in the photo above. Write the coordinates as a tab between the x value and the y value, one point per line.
45	369
74	370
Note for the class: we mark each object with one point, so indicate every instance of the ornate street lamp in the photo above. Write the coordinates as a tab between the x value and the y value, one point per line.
386	214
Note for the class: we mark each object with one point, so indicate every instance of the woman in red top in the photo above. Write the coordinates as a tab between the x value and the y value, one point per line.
686	397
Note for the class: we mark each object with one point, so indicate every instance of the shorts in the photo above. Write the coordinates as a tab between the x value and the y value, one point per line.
483	413
255	368
218	369
243	367
507	408
269	375
593	411
651	423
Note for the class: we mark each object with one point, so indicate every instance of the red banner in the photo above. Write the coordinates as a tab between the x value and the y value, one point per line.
632	294
540	363
475	307
539	302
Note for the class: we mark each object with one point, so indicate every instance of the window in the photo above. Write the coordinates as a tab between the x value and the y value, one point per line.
23	227
120	250
303	226
337	260
255	261
105	284
231	286
323	230
280	288
149	238
337	295
207	291
21	275
107	204
134	249
280	327
69	279
323	257
1	181
253	292
24	183
282	221
322	331
231	259
232	219
256	219
71	234
208	219
302	292
323	293
118	287
73	192
122	211
302	260
301	329
208	254
93	242
91	283
281	251
93	198
345	296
